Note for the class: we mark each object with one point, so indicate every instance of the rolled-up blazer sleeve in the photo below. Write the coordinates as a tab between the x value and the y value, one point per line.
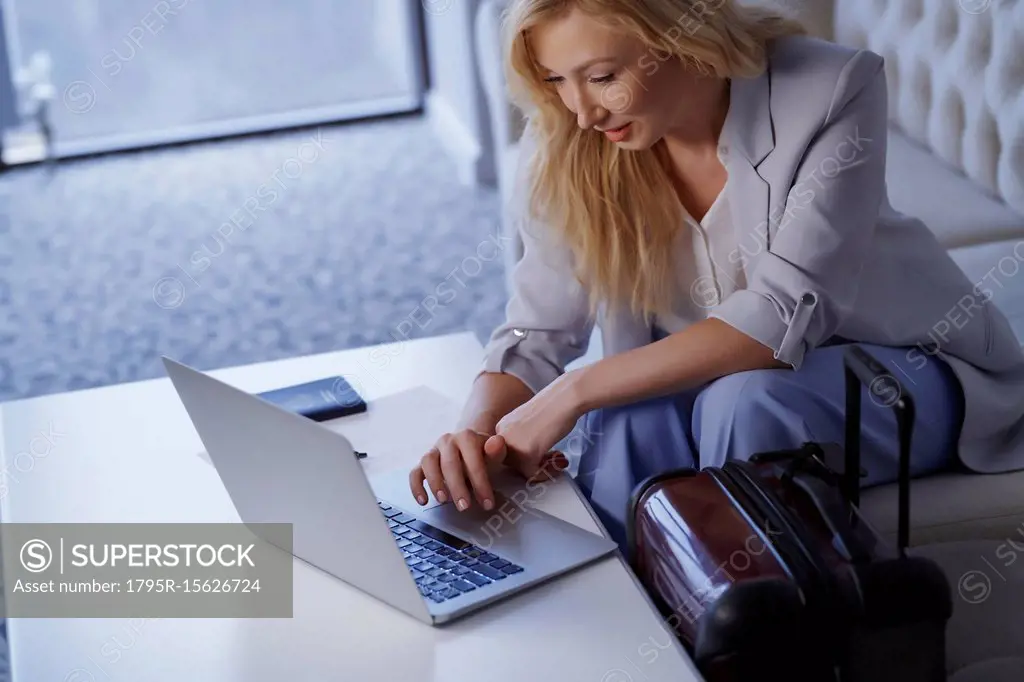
805	284
547	322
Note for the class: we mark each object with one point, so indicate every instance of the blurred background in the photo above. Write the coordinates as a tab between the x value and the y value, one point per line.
229	181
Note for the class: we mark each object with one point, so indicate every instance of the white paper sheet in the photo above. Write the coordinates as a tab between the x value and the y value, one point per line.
396	430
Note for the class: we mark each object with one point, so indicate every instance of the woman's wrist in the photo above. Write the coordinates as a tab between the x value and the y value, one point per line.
579	390
483	422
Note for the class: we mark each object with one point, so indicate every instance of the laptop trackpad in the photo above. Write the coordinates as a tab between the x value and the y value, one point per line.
504	529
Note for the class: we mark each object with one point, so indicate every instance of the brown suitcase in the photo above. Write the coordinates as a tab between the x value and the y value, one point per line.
766	567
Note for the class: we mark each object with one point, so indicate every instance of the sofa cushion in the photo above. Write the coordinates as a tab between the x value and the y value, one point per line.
957	210
952	506
998	268
955	75
986	579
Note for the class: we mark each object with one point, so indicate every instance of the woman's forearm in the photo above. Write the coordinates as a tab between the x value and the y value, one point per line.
492	397
687	359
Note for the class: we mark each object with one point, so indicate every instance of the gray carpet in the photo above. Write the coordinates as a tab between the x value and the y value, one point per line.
343	236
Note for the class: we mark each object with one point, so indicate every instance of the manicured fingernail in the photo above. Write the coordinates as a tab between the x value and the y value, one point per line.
462	504
441	497
488	505
421	499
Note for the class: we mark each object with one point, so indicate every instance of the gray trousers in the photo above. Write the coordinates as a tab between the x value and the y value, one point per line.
762	410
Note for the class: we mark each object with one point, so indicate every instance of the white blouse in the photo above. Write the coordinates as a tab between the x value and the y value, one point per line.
706	274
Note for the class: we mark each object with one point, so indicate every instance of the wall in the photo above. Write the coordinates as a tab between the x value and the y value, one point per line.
455	101
398	40
8	111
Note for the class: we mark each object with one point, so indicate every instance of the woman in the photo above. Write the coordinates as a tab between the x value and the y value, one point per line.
707	185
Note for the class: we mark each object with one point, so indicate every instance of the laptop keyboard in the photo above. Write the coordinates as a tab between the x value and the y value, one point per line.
443	566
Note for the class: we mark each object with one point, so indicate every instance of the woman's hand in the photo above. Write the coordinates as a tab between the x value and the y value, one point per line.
457	462
458	468
532	429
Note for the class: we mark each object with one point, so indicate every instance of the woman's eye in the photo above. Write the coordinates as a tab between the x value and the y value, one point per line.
603	79
554	80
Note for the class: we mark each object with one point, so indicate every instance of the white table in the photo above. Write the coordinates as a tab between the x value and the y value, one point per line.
129	453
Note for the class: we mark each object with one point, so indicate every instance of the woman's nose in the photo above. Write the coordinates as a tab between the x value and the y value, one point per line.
589	117
589	111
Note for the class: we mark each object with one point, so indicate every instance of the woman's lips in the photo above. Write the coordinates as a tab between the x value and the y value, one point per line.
618	134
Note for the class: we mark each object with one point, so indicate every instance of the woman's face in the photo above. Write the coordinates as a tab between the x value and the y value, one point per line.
615	84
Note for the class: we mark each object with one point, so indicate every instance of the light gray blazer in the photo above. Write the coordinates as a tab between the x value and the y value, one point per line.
826	255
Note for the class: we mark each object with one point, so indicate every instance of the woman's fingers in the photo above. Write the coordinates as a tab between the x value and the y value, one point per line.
458	468
451	466
431	465
543	470
554	464
416	478
495	449
474	460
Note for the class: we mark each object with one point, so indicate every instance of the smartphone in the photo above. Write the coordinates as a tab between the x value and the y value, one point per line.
318	400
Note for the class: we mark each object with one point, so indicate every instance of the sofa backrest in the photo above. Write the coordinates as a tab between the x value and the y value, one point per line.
955	70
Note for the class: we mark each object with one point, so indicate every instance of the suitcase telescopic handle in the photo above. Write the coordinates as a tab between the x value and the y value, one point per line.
862	369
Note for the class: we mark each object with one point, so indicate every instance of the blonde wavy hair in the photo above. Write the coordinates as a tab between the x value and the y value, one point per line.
616	209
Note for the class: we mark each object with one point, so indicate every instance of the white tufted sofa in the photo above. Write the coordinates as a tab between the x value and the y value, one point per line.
955	70
956	156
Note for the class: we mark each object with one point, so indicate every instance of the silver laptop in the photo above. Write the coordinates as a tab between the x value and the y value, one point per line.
434	563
